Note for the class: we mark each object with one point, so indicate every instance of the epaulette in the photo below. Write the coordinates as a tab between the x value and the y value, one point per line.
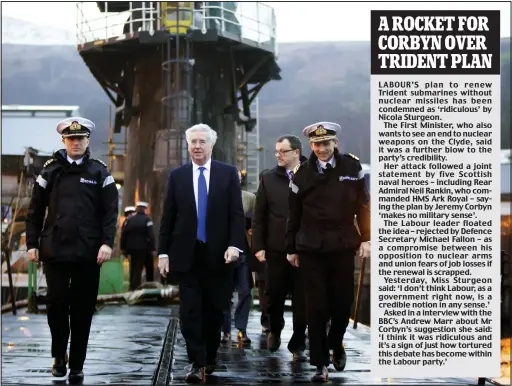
352	156
99	161
50	161
296	169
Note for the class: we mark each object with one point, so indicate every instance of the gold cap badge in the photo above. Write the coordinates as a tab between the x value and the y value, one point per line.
320	130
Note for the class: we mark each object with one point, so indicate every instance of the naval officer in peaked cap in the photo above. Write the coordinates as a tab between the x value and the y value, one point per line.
75	127
326	193
128	211
138	242
73	241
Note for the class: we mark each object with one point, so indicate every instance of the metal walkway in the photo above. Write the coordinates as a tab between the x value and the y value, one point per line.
126	349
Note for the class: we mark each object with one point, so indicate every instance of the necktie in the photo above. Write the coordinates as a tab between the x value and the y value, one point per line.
74	164
290	174
327	168
202	197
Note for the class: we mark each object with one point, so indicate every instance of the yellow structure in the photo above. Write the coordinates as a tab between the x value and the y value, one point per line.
177	16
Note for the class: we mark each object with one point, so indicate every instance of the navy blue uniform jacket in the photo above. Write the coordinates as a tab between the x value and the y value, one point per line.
224	219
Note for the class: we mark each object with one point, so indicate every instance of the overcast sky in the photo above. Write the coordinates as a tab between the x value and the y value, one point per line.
297	21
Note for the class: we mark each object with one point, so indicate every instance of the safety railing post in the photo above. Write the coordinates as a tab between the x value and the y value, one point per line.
144	16
131	18
106	19
222	18
151	18
203	28
158	15
258	20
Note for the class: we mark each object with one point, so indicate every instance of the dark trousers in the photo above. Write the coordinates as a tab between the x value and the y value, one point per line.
261	281
150	268
243	307
329	295
284	279
71	301
204	295
137	262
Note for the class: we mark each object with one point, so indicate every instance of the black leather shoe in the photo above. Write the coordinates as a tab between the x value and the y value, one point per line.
226	337
59	367
299	356
211	363
321	374
209	369
274	342
339	358
195	375
76	376
243	338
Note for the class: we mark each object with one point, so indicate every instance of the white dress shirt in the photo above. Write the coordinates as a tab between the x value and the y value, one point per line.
195	180
78	161
323	164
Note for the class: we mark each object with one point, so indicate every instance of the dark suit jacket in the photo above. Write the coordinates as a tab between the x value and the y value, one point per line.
224	221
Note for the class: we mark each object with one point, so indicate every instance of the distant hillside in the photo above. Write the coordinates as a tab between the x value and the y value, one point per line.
53	75
321	81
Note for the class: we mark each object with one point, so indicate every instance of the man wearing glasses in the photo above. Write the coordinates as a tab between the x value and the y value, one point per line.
268	229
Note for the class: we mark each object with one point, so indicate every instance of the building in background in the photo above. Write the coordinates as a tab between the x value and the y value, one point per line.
29	139
33	126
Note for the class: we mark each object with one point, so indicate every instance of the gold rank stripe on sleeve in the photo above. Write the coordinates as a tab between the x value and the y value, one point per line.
50	161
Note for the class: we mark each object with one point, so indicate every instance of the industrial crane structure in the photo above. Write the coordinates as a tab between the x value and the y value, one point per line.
169	65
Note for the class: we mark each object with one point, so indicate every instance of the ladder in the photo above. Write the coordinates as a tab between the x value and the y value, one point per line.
177	102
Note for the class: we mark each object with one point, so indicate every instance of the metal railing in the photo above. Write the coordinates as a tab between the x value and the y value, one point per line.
93	25
251	21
